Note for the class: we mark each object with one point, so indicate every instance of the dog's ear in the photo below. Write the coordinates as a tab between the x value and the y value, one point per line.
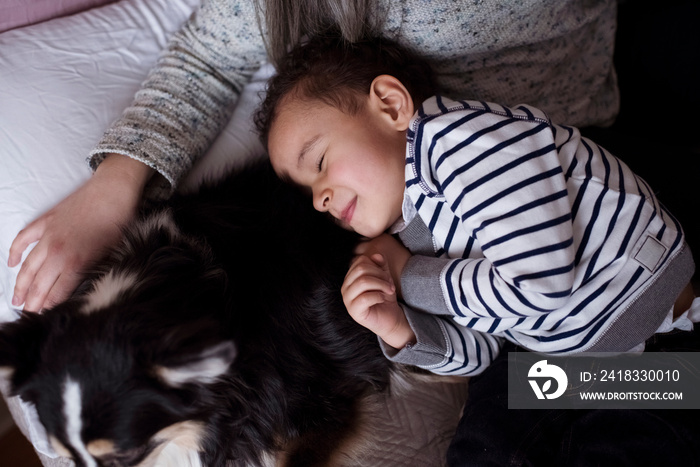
20	348
201	367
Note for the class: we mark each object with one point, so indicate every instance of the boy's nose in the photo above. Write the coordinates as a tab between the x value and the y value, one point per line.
322	200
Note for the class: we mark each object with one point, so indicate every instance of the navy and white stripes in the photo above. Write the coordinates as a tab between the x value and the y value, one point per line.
534	226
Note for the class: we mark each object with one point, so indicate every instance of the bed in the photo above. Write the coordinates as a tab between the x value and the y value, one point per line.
67	69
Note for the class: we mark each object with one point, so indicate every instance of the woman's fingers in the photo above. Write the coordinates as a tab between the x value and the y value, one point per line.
24	238
26	282
38	289
55	279
64	286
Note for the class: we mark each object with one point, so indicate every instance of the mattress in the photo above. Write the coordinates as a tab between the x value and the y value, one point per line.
62	82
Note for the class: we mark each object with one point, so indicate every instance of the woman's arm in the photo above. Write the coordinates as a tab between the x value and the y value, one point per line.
185	101
190	94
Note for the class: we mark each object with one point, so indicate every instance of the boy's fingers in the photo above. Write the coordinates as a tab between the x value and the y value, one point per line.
361	266
379	260
363	278
361	248
360	307
364	285
373	265
364	247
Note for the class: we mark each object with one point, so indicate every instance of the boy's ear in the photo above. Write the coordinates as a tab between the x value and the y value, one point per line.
389	96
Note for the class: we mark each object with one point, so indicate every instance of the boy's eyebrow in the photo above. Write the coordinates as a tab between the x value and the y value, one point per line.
306	148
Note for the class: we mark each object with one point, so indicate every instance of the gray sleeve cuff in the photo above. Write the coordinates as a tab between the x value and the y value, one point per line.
421	284
430	348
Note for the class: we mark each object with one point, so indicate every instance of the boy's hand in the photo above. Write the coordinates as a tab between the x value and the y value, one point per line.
394	253
370	297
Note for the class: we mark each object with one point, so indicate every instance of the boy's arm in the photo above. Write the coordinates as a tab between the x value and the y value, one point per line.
502	178
407	336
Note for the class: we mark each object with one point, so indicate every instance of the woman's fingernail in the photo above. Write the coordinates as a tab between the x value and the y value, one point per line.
15	301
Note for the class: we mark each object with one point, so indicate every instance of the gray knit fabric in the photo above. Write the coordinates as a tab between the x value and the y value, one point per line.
553	54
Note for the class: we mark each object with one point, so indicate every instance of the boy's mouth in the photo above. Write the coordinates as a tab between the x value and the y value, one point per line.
346	214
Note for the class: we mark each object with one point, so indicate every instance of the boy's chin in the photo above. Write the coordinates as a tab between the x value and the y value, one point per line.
342	224
372	231
368	232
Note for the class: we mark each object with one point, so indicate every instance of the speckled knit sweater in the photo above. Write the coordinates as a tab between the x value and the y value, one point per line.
553	54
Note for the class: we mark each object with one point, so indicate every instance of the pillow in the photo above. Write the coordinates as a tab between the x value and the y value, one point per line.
62	82
17	13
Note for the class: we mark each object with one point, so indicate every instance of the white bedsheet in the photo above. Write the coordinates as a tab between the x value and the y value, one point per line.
61	84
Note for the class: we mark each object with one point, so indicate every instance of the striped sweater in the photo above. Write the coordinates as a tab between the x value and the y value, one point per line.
526	231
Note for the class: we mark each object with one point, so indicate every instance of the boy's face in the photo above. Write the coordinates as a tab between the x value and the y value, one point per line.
352	164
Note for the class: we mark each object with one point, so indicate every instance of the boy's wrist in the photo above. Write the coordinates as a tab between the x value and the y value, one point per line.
398	260
401	336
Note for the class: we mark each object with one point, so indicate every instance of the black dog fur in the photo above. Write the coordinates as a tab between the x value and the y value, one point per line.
217	326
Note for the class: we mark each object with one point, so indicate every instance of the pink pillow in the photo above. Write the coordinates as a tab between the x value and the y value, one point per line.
17	13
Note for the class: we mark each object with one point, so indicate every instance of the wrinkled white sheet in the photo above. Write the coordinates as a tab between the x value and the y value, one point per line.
61	84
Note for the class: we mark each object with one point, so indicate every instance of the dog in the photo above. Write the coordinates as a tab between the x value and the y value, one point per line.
214	335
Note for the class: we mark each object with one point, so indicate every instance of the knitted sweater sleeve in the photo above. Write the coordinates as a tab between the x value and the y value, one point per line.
188	97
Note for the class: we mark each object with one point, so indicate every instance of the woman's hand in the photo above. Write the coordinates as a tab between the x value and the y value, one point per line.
369	295
76	232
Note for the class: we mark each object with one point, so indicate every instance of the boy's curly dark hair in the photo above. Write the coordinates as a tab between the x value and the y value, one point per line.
339	73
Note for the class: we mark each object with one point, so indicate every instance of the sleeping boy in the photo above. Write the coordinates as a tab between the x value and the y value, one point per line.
510	226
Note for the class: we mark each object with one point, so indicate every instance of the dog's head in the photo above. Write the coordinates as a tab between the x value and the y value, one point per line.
113	381
103	400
